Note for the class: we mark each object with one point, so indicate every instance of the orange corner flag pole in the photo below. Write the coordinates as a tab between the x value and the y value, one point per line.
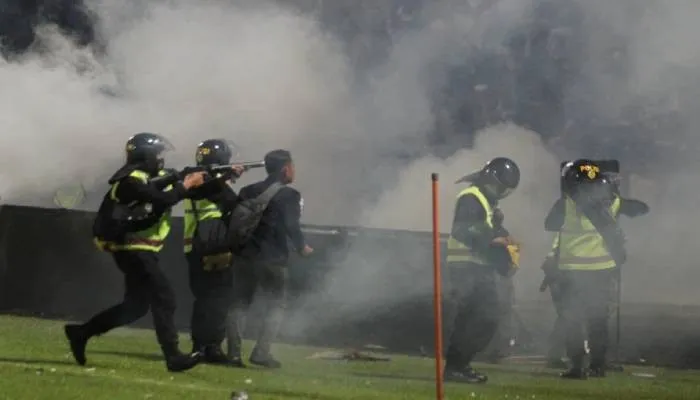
437	291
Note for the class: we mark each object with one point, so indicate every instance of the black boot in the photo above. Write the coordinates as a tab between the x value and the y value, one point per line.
574	373
596	370
263	359
177	361
464	375
78	338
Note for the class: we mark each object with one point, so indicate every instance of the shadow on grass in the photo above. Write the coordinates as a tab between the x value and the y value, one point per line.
142	356
37	362
431	378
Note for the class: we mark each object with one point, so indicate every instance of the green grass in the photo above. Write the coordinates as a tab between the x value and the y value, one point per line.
125	364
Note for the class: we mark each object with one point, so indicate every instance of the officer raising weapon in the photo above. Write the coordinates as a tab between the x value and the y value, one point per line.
132	224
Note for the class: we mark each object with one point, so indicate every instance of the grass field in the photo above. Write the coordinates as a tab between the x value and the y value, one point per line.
125	364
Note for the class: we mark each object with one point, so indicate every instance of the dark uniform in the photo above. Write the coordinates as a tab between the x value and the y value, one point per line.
137	254
586	271
263	268
210	276
557	339
474	258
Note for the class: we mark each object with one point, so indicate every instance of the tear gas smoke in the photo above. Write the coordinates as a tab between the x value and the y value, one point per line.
267	77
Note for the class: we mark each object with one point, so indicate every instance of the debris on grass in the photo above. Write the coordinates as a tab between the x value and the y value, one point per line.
644	375
347	355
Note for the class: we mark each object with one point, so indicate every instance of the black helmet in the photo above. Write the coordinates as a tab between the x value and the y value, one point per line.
579	174
147	150
215	152
499	177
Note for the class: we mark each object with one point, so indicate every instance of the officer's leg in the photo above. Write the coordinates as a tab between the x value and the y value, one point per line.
557	339
162	299
573	313
244	285
199	309
133	306
457	310
500	343
484	319
601	288
273	280
218	299
468	337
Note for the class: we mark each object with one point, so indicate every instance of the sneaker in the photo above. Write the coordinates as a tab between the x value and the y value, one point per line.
214	355
264	360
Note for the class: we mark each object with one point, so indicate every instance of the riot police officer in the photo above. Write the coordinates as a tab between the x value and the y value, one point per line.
590	249
132	224
476	252
207	252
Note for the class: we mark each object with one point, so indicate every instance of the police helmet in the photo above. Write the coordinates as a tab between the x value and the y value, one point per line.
499	177
215	152
147	149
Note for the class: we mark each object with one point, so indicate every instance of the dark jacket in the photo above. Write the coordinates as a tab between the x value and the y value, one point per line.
280	221
469	228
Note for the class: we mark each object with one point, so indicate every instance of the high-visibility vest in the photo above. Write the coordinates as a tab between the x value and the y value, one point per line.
458	251
581	246
151	239
205	210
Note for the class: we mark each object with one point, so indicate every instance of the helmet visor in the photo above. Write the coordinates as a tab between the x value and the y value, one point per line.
162	144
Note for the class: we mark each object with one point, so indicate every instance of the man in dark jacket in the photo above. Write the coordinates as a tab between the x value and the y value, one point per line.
265	257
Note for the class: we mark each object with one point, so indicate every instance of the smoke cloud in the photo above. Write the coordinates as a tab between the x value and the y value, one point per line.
268	77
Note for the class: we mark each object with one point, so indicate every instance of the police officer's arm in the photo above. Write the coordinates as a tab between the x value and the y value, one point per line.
633	208
469	225
292	218
131	189
555	217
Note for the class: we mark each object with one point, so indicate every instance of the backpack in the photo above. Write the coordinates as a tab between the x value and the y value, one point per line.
246	216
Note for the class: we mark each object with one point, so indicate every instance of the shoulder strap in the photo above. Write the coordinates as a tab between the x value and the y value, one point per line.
265	197
606	225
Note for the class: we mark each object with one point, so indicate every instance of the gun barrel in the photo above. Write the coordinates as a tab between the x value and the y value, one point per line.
253	164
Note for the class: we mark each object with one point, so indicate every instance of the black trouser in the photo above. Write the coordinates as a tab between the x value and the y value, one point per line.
585	303
266	282
472	312
557	339
145	287
500	343
212	291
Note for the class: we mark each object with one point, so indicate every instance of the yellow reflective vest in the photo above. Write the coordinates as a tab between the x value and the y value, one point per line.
459	252
581	246
205	210
151	239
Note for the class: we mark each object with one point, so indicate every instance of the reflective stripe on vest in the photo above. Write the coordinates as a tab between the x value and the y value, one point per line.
205	210
457	251
581	245
151	239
